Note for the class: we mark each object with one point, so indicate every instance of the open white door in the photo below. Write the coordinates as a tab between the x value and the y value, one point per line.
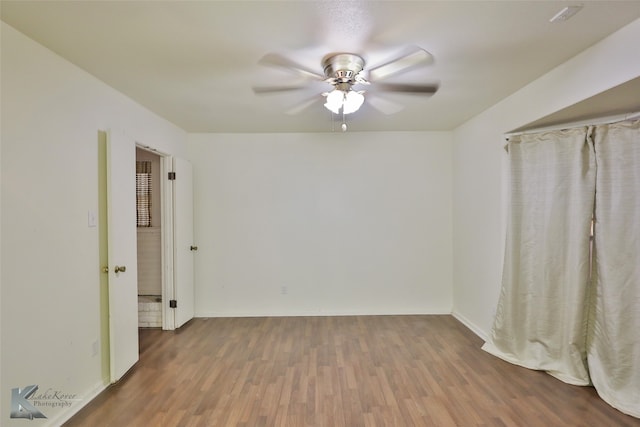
184	247
122	267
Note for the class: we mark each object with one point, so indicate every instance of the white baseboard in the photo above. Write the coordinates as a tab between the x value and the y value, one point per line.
207	314
472	326
66	415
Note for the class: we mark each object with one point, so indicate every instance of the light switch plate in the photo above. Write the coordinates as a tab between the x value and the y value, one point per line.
92	219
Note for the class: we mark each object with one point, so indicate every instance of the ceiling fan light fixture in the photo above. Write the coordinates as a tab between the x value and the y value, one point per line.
334	101
352	102
349	101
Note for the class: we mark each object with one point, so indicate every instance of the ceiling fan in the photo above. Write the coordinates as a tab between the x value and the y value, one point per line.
345	72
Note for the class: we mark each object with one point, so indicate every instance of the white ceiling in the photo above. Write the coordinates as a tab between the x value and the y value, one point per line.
195	62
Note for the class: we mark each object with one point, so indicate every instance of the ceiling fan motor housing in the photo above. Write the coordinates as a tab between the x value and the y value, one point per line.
342	66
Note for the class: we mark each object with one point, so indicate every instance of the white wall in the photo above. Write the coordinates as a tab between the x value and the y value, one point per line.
51	114
479	178
355	223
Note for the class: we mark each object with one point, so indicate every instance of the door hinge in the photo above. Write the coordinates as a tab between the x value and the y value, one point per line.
173	303
172	176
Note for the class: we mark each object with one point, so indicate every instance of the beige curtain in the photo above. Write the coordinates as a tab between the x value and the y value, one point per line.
563	309
614	325
541	321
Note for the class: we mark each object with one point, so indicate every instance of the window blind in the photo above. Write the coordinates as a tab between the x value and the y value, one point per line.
143	193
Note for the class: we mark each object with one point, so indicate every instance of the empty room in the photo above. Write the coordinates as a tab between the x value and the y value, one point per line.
320	213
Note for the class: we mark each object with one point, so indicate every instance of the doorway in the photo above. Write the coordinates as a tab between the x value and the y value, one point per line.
149	238
119	288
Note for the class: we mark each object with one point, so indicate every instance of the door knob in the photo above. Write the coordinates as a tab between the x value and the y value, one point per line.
120	269
194	248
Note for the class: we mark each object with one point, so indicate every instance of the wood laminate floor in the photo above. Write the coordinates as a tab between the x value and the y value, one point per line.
335	371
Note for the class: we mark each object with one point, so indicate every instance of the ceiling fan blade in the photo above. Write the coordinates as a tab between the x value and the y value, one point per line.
383	105
303	105
411	58
279	61
265	90
418	89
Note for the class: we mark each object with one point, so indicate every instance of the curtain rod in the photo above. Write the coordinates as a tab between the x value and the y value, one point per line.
591	122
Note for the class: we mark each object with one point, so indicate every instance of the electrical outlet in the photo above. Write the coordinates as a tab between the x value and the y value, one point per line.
284	290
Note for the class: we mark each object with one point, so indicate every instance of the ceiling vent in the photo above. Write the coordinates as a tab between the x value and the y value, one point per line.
565	14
